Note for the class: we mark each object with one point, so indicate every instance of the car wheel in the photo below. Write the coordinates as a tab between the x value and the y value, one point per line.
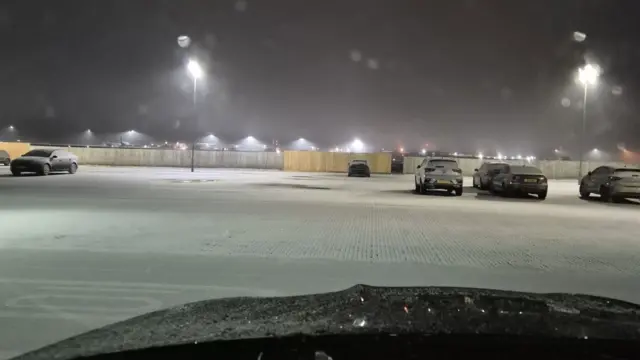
492	189
505	190
7	162
46	169
423	190
583	192
73	168
458	192
542	195
605	194
15	172
348	174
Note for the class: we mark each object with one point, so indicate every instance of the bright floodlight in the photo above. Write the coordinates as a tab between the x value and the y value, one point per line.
519	157
131	131
194	69
480	156
423	151
10	127
595	150
357	145
588	75
301	139
251	138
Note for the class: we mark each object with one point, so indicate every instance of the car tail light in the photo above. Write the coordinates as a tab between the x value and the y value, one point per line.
430	169
614	178
457	171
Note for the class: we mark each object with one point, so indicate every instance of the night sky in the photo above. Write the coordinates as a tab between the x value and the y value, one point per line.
465	75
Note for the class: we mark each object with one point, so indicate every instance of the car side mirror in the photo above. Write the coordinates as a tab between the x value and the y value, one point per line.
54	157
475	170
418	167
589	173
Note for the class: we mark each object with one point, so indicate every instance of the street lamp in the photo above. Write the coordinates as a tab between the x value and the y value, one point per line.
196	72
357	145
587	75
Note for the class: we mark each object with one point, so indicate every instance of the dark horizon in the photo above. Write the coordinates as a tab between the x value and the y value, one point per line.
467	75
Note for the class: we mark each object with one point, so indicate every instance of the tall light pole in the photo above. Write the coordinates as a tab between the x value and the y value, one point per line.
587	75
196	72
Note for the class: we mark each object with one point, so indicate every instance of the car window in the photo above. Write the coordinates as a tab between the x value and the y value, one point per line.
523	169
446	164
627	172
602	170
4	154
499	167
39	153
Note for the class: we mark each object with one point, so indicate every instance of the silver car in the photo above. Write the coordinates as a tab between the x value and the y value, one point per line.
483	176
520	179
439	174
612	183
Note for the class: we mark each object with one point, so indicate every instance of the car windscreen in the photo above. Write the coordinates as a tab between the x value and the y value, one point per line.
39	153
627	172
494	167
525	170
443	164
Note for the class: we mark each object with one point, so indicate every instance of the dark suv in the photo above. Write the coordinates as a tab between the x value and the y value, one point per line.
359	168
5	158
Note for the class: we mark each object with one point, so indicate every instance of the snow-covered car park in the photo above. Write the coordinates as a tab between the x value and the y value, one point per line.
156	237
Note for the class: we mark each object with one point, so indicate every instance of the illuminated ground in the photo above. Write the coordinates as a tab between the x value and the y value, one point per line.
80	251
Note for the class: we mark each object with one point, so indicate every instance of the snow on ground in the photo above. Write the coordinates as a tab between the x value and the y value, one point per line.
316	216
84	250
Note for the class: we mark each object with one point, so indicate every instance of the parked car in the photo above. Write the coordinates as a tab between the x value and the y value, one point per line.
5	159
439	174
359	168
483	176
520	179
612	183
44	162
